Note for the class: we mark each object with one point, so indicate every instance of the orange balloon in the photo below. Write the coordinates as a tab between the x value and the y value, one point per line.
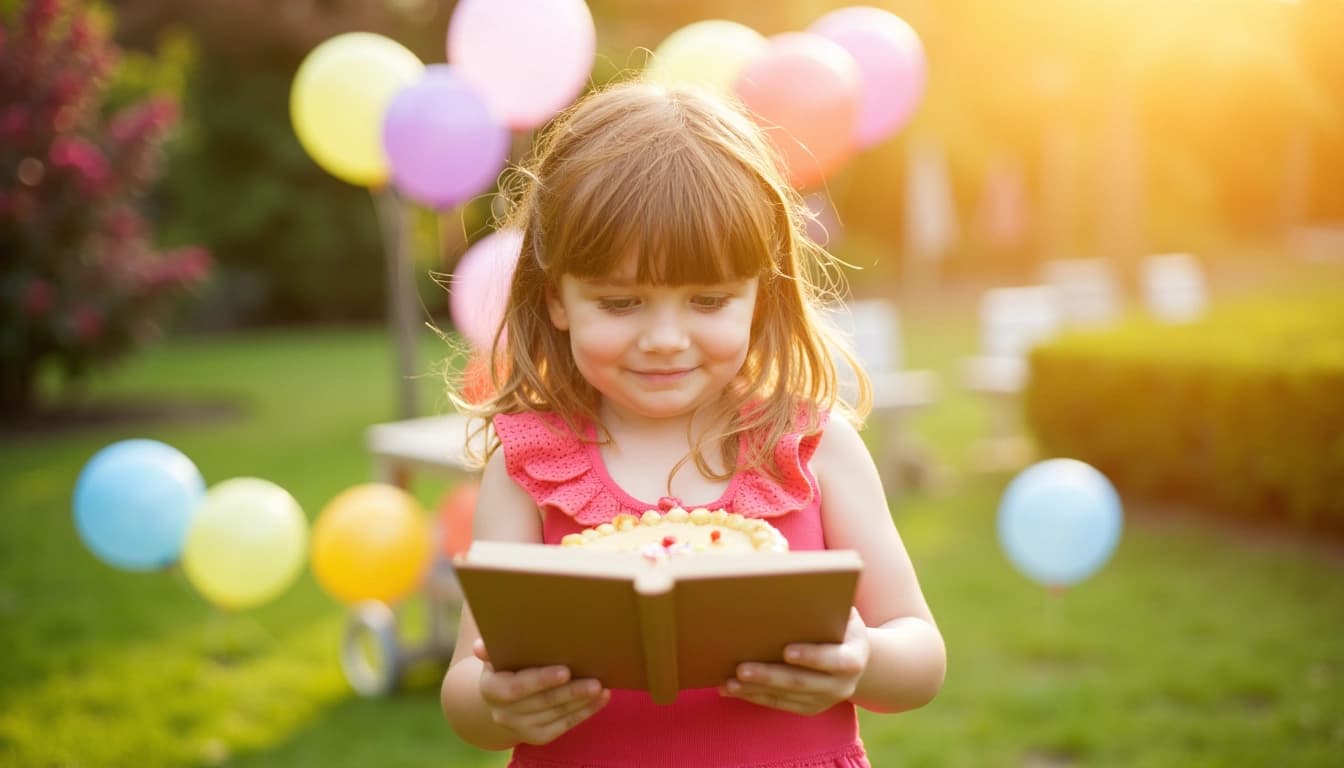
804	90
457	510
371	542
476	384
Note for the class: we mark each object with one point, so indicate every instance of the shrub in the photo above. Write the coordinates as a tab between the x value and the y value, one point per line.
1243	412
81	282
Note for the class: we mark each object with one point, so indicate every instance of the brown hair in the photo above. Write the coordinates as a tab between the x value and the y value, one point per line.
691	185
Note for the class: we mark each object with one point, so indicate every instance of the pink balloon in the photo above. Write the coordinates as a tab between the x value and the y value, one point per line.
479	289
892	68
804	90
529	58
824	224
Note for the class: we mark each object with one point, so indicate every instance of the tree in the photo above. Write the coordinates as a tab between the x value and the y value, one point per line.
81	281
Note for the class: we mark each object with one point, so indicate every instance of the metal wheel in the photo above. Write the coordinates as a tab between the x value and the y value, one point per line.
370	653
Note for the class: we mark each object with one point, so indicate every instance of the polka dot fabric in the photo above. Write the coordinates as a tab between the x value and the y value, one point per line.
564	473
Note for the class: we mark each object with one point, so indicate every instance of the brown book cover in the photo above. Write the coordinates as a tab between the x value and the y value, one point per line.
660	626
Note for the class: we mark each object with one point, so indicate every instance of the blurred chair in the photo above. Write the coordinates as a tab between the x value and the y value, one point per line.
1173	287
1319	243
1012	321
1086	292
873	327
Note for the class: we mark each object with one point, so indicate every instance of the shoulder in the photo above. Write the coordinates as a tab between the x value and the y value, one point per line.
512	513
840	445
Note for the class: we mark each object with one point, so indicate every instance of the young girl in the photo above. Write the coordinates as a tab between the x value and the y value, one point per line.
664	347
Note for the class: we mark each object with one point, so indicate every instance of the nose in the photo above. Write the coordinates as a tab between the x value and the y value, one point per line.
665	332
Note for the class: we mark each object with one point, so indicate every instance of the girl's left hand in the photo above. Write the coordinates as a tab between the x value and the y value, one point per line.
814	679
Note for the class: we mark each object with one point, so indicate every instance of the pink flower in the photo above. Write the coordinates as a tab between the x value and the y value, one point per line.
123	224
143	122
39	17
87	323
78	154
194	264
38	298
66	89
14	122
80	35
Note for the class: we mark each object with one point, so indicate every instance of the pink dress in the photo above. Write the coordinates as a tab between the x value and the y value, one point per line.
569	481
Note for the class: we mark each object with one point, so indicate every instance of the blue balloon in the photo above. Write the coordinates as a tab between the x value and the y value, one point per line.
1059	521
134	501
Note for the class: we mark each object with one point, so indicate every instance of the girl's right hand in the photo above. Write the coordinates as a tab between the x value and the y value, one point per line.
538	704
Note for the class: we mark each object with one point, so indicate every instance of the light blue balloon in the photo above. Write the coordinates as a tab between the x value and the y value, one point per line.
134	501
1059	521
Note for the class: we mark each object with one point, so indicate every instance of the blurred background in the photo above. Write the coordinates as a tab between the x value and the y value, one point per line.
1109	230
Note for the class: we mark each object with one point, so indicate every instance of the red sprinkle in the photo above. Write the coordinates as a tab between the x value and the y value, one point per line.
669	541
715	535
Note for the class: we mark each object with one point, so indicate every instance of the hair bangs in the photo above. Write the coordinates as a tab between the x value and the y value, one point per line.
687	216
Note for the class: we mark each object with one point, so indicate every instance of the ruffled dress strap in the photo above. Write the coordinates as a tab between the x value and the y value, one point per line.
554	466
760	494
564	474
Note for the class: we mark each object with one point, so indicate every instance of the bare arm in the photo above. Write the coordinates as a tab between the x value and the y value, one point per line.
907	658
499	710
892	657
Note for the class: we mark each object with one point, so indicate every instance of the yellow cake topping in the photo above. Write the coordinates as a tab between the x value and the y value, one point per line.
681	532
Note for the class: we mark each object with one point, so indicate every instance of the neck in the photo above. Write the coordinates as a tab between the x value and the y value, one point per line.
694	424
643	453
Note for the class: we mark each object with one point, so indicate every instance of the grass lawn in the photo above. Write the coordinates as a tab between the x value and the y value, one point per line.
1198	645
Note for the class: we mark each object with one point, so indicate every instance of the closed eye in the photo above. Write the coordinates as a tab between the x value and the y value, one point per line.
618	305
708	302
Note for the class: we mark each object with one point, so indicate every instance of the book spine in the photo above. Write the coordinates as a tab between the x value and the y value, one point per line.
658	630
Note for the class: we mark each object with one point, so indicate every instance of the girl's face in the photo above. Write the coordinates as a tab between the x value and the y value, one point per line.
655	351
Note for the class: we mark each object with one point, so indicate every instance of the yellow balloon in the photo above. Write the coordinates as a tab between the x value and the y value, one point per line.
707	54
339	97
371	542
246	543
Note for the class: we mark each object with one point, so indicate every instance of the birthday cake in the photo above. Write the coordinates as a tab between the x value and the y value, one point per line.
679	532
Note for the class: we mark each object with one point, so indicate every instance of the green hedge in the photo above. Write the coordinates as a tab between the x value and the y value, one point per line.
1242	412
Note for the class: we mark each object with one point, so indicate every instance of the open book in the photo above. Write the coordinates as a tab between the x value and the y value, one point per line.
660	626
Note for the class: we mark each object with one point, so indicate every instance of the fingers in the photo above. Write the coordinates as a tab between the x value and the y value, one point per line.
798	702
559	697
508	688
844	659
545	726
797	680
815	678
850	657
540	704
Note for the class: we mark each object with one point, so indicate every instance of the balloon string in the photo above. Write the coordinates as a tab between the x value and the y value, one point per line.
1052	616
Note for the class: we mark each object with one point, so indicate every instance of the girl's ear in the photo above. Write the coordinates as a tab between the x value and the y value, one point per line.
556	309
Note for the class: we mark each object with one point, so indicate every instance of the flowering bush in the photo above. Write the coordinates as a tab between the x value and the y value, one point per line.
81	281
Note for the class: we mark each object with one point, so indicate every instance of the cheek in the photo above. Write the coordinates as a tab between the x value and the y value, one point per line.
728	341
596	342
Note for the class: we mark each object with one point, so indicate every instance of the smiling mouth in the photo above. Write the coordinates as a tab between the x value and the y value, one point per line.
663	376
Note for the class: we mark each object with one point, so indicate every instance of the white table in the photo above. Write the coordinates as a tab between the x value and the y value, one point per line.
435	444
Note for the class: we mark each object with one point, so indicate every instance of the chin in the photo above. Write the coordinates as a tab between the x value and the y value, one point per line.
653	408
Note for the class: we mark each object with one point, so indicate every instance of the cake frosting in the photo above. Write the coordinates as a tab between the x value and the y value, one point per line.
681	532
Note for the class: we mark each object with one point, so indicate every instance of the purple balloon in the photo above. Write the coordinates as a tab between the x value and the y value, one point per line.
443	143
891	62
